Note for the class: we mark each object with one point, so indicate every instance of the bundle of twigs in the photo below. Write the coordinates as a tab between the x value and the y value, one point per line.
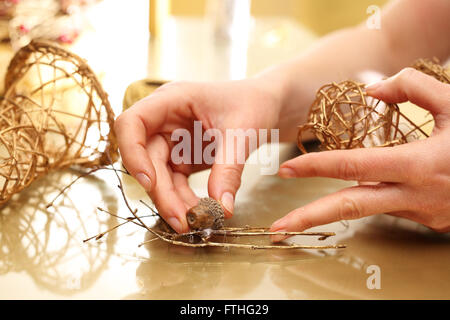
200	238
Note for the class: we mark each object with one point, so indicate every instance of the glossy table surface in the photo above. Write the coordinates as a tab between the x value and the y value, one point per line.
43	256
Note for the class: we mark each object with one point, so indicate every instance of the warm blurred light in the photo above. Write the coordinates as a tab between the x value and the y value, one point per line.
229	22
169	49
272	38
116	46
159	12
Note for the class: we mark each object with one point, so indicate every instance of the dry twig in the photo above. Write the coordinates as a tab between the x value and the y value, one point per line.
204	235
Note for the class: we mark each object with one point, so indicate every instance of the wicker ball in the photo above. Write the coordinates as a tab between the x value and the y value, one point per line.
54	114
432	68
207	214
342	116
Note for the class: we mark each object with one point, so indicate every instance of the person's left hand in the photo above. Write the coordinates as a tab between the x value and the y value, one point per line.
412	180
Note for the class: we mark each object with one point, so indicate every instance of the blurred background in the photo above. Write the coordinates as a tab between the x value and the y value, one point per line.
175	39
231	39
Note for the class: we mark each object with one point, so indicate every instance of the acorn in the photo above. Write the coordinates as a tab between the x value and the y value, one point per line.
207	214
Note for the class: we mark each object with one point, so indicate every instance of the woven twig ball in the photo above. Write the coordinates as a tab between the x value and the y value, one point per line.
432	68
54	114
343	116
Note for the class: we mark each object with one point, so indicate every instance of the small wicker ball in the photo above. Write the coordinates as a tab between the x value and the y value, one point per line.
343	117
207	214
432	68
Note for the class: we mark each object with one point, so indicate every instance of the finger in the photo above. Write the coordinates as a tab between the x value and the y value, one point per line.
223	183
170	205
390	164
225	177
181	184
132	129
410	215
442	230
347	204
415	86
131	139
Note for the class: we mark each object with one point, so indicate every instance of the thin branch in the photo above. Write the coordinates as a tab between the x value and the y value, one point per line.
83	175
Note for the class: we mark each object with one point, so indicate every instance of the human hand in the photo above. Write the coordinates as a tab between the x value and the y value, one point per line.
412	180
144	137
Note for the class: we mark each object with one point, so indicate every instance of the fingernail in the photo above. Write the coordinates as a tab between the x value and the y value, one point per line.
374	86
144	181
227	201
286	173
175	224
280	237
278	225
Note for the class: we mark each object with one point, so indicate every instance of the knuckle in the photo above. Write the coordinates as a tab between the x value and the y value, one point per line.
443	229
434	222
178	83
302	222
407	74
172	85
349	171
416	175
232	175
184	92
118	123
420	170
349	209
437	221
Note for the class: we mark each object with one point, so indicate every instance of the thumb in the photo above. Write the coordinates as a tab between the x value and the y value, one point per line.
415	86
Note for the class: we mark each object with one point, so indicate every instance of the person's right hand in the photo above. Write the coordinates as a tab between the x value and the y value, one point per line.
144	138
410	181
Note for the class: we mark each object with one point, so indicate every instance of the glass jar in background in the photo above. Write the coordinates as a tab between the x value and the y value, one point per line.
227	28
228	19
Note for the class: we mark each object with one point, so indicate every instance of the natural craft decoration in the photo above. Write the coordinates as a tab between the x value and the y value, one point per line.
343	116
205	221
54	114
432	68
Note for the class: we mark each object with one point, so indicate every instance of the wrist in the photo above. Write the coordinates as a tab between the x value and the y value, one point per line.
293	103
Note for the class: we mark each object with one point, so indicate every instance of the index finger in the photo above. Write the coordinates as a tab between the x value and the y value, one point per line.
132	128
347	204
389	164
